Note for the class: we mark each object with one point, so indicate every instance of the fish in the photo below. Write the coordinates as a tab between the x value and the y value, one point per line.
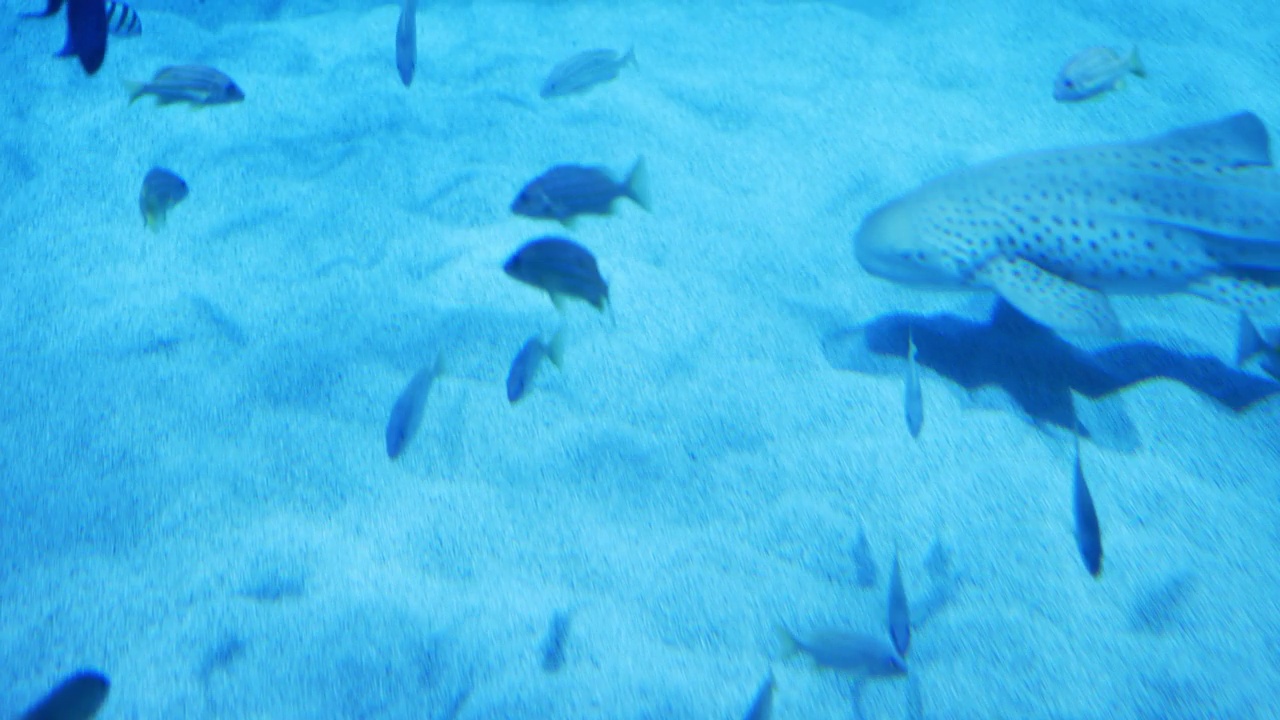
1094	71
161	191
553	646
87	33
407	41
864	563
1088	533
584	71
567	191
899	615
762	706
846	651
524	368
1195	211
199	85
912	400
78	697
406	414
122	21
562	268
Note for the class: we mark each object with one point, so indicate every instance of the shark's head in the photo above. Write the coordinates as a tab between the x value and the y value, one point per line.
900	242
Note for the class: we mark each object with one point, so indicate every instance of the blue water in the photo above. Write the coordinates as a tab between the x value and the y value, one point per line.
197	499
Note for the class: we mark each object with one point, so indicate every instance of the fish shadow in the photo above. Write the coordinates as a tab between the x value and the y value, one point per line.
1035	367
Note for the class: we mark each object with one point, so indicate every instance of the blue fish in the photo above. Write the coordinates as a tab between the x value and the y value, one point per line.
79	697
567	191
1088	533
406	414
524	368
899	612
87	33
561	267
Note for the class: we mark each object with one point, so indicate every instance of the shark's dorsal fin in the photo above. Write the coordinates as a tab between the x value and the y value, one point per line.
1239	140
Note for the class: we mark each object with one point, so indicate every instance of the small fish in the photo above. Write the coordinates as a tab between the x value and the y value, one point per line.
762	706
1088	534
864	562
851	652
566	191
1093	72
196	84
584	71
406	414
79	697
561	267
553	646
524	368
407	41
87	33
912	401
161	191
899	612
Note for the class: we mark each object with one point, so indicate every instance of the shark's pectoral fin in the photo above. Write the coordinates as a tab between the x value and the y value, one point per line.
1048	298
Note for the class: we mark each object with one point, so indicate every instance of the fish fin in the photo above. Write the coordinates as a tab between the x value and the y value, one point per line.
1050	299
629	58
555	348
1239	140
68	49
790	647
1249	341
637	184
136	90
1135	63
558	300
154	221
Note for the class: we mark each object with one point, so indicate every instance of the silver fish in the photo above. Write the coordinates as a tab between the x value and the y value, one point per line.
196	84
912	400
79	697
1094	71
899	613
1193	211
584	71
1088	533
407	41
406	414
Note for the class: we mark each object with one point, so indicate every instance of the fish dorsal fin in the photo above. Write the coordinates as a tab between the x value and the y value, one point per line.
1236	141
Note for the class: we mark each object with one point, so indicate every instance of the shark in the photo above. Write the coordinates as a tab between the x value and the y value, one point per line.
1056	232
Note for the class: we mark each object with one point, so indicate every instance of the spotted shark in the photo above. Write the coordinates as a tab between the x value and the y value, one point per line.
1195	210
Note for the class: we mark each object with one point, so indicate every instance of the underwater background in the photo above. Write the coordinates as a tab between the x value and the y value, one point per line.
198	499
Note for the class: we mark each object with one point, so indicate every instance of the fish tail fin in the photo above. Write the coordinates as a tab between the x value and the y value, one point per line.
1135	63
629	58
788	645
154	221
1249	341
558	300
555	348
637	184
136	90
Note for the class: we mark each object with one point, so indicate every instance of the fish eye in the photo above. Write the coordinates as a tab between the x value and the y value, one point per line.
1068	83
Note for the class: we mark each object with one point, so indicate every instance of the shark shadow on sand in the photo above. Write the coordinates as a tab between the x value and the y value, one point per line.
1036	368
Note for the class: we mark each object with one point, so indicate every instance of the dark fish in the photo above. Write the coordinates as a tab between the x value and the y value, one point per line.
912	400
553	646
899	612
406	414
77	698
863	562
122	21
584	71
762	707
1088	534
566	191
161	190
407	41
196	84
561	267
852	652
87	32
524	368
50	9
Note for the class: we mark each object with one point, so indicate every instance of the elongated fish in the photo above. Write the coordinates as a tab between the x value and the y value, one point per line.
584	71
524	368
199	85
1195	211
1094	71
762	706
407	41
1088	533
899	615
847	651
864	563
79	697
912	400
553	645
87	33
406	414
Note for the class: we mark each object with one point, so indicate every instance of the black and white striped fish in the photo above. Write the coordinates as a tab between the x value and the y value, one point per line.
122	21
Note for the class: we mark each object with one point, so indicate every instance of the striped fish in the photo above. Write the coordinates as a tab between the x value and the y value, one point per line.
196	84
584	71
122	20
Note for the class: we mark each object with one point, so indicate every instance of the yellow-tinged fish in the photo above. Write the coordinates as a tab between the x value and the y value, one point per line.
1093	72
196	84
161	190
